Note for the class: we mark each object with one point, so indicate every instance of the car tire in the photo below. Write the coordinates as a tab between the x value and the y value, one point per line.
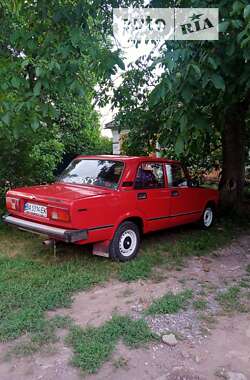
125	243
208	217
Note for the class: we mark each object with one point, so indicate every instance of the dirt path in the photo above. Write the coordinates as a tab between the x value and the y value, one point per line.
227	347
205	345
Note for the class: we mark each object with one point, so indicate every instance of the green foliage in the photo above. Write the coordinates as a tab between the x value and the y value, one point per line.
80	130
49	50
32	157
93	346
52	56
170	303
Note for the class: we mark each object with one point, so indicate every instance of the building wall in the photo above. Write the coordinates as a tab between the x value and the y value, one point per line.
117	140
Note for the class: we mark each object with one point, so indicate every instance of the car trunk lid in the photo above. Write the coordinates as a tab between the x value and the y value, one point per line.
41	202
59	193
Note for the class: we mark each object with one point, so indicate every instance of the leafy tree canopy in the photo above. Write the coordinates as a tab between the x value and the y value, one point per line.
199	107
52	55
47	50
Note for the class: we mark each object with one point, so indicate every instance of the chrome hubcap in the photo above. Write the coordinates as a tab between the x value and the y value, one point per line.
127	243
208	217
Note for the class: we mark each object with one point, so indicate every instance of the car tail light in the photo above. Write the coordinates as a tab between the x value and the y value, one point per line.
13	203
60	214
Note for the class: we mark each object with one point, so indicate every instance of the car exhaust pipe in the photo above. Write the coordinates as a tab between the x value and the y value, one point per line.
49	242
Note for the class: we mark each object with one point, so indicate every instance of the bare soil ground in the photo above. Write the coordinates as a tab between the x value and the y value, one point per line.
209	340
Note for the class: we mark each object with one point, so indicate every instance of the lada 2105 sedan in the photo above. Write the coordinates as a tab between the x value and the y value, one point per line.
111	201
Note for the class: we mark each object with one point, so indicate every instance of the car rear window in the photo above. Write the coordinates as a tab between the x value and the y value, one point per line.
93	172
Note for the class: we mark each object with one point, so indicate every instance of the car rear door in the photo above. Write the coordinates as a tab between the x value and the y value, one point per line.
184	205
152	195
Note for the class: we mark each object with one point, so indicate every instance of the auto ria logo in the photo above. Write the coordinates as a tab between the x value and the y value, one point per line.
197	24
145	24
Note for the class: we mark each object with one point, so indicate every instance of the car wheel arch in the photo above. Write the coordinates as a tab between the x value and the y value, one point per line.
211	204
138	220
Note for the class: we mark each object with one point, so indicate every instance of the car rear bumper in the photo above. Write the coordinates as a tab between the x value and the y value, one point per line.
69	236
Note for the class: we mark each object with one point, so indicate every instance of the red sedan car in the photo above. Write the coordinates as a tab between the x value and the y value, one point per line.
111	201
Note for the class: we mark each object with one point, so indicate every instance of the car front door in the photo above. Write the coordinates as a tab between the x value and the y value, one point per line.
152	195
184	206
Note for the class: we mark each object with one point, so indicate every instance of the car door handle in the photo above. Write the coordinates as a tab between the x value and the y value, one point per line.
175	193
141	196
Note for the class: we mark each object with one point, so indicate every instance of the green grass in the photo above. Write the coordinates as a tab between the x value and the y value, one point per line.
28	288
46	336
170	249
32	281
200	304
93	346
170	303
207	318
245	282
236	297
143	266
120	362
229	299
32	345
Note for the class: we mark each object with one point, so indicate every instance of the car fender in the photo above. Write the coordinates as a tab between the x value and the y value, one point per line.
129	215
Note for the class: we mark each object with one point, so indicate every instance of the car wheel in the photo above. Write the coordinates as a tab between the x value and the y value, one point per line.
208	217
126	242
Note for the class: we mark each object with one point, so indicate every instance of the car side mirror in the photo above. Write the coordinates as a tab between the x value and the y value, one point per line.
193	183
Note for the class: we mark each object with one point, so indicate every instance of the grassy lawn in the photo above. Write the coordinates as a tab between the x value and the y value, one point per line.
236	298
32	281
93	346
170	303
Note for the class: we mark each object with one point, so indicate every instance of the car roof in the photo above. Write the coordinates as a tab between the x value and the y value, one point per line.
127	158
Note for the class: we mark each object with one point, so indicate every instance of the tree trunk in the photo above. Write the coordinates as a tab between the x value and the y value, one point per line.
233	154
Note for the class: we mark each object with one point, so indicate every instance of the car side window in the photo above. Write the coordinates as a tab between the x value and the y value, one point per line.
149	176
176	175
